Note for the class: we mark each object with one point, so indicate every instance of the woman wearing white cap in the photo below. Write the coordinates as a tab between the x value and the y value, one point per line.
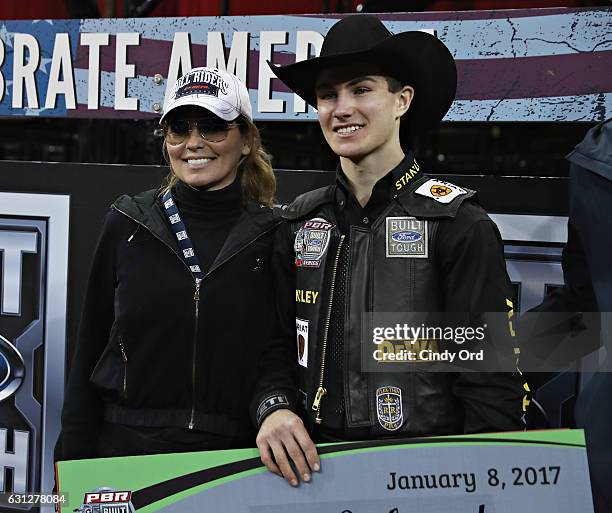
180	297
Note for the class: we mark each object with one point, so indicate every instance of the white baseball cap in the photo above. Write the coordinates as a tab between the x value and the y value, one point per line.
213	89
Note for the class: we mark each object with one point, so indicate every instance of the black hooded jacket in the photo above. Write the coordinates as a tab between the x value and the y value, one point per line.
155	350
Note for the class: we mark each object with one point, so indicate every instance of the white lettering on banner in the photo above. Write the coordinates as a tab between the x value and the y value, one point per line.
238	55
12	247
1	74
94	41
228	50
123	71
180	61
17	459
305	40
266	41
23	72
61	64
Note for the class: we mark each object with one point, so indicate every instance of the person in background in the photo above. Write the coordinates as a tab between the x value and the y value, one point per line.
180	298
587	274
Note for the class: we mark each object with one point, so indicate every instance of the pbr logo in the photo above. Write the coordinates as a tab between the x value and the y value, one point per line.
406	237
311	242
107	500
32	338
389	408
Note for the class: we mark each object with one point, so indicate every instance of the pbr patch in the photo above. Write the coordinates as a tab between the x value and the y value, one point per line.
311	242
389	408
107	500
301	330
440	191
406	237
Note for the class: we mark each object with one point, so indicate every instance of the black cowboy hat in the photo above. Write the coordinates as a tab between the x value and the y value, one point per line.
414	58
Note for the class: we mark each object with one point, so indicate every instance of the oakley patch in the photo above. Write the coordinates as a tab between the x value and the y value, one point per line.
406	237
311	242
440	191
389	408
301	330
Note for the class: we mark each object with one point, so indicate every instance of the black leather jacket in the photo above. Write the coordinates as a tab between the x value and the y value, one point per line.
461	268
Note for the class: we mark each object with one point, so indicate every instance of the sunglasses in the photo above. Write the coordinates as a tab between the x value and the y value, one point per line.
178	130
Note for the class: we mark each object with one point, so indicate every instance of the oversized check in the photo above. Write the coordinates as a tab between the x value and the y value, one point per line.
539	471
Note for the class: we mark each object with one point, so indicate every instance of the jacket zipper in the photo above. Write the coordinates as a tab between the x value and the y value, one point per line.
196	299
125	362
321	391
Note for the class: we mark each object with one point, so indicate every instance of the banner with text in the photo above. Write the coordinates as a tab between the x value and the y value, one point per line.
518	65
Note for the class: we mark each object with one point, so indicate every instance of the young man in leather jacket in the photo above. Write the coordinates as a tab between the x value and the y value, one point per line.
383	238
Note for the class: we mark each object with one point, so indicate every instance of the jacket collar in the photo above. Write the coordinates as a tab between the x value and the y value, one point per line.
399	181
389	184
145	209
255	221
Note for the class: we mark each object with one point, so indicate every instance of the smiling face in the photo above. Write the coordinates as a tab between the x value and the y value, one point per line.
359	115
203	164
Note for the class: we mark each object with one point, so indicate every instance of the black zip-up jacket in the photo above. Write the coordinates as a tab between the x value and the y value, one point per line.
155	349
462	270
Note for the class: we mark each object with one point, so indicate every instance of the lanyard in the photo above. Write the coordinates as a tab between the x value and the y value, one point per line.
180	230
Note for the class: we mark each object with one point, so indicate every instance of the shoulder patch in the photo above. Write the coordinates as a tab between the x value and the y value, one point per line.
440	191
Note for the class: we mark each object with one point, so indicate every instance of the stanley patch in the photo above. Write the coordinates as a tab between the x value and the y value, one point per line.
389	408
407	176
406	237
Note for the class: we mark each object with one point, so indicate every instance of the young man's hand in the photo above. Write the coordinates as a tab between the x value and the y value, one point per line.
283	437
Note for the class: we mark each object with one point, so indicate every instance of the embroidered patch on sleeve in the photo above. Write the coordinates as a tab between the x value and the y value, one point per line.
440	191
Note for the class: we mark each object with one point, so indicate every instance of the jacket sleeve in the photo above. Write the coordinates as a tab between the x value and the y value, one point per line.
471	256
563	328
276	387
82	414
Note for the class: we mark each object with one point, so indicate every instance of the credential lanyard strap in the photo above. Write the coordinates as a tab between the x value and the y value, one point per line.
180	230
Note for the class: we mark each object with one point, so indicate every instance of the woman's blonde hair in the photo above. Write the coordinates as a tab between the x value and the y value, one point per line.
257	178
